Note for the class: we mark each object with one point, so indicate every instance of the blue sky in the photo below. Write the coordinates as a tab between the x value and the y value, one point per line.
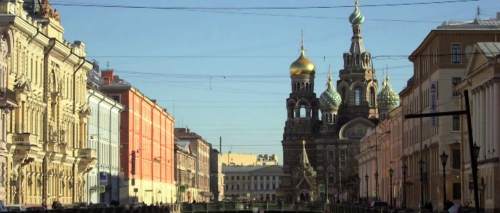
225	73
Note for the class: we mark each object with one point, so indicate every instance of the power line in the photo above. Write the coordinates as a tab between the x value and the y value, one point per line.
254	8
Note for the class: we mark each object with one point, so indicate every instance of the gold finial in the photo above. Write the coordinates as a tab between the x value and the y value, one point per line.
356	5
303	142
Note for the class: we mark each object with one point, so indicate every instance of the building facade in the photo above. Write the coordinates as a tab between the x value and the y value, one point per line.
147	144
185	172
332	124
439	61
245	159
46	135
216	175
257	183
201	149
380	151
483	84
104	137
7	104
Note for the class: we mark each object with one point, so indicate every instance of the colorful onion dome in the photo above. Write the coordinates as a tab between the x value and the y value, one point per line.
330	98
356	16
387	98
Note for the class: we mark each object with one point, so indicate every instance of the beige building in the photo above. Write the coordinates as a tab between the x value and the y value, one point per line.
216	176
201	150
244	159
481	79
7	104
380	152
252	182
47	133
440	60
185	173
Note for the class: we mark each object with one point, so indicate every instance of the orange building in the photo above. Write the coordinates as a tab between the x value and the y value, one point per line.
147	144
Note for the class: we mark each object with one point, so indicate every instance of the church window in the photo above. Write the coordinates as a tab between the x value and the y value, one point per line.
357	96
302	113
344	95
372	97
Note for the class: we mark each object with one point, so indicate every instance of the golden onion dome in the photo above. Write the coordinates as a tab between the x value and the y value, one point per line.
387	98
302	66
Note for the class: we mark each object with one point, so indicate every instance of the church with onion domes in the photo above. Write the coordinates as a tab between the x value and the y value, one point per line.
321	135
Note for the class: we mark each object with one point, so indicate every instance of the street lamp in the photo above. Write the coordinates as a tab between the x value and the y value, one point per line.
405	170
444	159
476	150
367	195
391	172
421	164
376	186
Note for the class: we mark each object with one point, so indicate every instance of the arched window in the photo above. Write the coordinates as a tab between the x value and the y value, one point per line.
372	96
344	95
357	96
302	113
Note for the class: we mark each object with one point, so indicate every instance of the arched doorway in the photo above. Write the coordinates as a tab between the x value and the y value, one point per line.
288	197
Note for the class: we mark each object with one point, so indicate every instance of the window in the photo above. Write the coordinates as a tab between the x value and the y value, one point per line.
303	111
456	123
330	155
456	54
116	98
455	164
357	97
344	95
455	82
457	193
372	97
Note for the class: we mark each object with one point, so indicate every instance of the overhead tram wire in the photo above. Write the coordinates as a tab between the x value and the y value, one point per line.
74	4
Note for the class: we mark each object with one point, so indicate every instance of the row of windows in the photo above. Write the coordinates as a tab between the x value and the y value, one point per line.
255	187
254	177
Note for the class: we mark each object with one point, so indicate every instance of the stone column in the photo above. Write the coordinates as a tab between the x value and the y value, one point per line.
486	127
496	120
252	186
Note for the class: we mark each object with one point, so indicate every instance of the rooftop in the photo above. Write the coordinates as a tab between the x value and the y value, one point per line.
476	24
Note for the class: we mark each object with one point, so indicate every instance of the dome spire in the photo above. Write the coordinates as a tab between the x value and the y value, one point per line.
302	46
329	83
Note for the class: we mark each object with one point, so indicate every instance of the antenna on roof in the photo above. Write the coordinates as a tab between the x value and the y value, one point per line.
107	65
478	12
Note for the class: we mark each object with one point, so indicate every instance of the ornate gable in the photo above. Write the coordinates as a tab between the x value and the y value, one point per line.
356	128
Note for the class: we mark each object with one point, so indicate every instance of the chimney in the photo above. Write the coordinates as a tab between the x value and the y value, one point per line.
107	76
154	101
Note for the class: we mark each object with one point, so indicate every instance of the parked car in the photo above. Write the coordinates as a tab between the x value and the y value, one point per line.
15	208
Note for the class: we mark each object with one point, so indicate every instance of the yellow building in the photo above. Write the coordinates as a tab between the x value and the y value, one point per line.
482	83
46	134
244	159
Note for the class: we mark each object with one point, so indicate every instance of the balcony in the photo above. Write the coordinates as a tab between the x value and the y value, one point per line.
86	153
7	98
25	138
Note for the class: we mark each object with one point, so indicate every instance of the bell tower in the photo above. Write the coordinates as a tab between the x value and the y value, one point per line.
358	84
302	112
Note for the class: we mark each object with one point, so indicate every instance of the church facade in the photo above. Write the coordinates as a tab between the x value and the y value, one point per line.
327	130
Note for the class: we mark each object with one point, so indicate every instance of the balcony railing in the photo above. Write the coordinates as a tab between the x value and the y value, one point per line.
85	153
25	138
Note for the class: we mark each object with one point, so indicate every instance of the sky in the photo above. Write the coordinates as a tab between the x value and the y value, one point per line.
225	72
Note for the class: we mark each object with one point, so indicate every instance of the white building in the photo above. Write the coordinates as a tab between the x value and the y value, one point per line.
104	136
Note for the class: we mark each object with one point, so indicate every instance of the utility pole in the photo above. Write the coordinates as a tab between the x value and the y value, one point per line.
473	159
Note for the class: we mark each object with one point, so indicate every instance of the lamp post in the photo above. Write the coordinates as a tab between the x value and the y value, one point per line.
405	170
376	186
367	195
444	159
421	164
391	172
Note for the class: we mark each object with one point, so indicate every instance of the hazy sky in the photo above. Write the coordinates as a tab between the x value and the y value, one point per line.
224	73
